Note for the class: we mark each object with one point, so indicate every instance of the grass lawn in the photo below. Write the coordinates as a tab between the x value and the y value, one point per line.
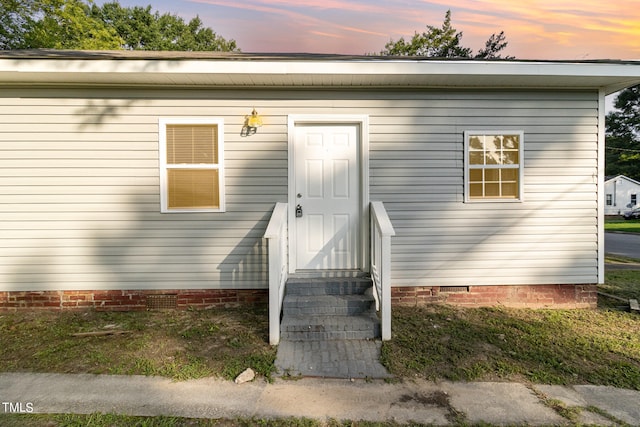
111	420
497	344
435	342
541	346
177	344
628	226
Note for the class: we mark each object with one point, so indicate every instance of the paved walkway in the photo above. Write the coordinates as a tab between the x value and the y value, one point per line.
425	402
331	359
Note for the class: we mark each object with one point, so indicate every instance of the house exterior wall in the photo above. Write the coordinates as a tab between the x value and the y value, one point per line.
79	184
620	193
550	237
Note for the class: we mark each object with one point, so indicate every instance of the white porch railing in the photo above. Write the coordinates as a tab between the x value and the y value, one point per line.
276	235
381	232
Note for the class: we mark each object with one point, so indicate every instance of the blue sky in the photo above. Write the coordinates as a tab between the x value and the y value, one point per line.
535	29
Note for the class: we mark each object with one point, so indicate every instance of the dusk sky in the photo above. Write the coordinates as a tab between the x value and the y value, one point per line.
535	29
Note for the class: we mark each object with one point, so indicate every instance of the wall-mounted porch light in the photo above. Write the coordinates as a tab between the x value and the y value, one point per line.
251	123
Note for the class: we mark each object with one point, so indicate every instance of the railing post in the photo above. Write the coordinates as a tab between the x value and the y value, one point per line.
381	232
385	277
276	235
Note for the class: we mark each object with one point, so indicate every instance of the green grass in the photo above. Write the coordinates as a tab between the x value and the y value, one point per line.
627	226
177	344
434	342
111	420
621	283
498	344
541	346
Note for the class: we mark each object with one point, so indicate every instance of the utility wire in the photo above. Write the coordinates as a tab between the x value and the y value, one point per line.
622	149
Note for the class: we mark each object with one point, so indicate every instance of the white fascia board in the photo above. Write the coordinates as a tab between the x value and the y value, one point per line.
488	68
490	74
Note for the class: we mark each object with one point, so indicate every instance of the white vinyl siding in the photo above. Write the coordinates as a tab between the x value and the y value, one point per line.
80	187
417	164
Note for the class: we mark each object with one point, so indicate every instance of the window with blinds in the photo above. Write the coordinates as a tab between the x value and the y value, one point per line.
191	163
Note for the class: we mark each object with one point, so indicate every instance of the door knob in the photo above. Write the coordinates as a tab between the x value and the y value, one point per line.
298	211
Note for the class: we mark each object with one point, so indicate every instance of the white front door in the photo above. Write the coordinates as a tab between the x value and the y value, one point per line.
327	197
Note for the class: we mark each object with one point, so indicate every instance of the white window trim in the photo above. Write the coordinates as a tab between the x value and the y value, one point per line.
467	135
162	132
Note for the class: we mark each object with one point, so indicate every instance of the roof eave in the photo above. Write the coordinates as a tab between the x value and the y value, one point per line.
320	73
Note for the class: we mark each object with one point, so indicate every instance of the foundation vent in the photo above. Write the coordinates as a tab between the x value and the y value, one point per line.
162	302
454	289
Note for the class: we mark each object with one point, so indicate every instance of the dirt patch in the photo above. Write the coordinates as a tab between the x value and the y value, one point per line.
437	398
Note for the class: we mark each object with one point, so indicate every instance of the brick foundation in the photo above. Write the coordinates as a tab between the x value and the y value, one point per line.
129	300
519	296
529	296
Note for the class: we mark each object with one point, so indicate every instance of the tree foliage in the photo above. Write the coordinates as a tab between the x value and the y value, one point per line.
143	29
66	24
14	19
623	135
81	24
492	46
444	42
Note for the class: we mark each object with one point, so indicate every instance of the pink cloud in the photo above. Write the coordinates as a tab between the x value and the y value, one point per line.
535	29
554	29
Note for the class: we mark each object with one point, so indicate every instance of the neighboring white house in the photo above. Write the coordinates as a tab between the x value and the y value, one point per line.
621	194
125	175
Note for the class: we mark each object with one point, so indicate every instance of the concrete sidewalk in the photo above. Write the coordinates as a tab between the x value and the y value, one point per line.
419	401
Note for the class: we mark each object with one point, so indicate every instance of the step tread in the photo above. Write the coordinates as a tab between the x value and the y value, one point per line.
327	299
298	280
330	327
328	286
327	304
324	322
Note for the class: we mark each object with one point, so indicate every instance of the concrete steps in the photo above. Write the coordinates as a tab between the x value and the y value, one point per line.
311	328
341	308
329	328
329	286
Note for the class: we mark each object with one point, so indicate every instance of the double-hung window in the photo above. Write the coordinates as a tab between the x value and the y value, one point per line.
191	165
493	165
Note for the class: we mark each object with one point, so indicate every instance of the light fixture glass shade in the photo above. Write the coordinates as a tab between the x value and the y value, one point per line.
254	121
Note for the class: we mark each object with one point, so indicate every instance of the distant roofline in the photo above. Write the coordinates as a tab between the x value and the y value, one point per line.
268	56
613	177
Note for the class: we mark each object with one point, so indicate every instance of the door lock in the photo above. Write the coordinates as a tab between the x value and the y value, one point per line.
298	211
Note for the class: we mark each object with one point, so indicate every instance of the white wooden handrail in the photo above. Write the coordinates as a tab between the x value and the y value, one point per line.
381	232
276	235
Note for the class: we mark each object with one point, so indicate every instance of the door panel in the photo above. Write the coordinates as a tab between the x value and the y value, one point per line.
327	188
